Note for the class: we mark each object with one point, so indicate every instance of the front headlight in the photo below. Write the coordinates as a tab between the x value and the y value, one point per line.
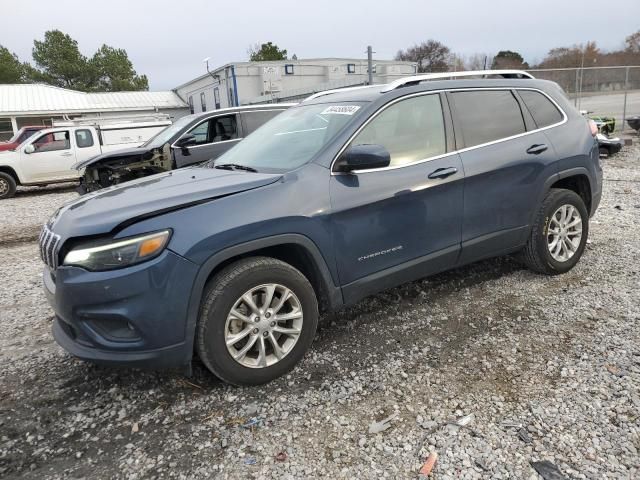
118	253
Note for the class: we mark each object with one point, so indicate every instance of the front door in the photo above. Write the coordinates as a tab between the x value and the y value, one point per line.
214	136
51	159
402	222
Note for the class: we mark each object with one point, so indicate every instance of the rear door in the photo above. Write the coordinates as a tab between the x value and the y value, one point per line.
87	146
506	159
214	136
401	222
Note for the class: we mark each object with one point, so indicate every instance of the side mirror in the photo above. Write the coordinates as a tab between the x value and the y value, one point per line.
29	149
363	157
186	141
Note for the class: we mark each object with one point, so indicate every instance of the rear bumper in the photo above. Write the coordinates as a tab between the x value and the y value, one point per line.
135	316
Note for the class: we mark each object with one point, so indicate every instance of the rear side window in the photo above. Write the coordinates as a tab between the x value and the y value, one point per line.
485	116
543	111
84	138
253	120
411	130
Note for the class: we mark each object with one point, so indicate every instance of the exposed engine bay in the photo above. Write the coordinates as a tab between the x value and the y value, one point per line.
128	165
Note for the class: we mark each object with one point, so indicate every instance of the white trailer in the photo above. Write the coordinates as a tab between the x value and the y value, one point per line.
48	156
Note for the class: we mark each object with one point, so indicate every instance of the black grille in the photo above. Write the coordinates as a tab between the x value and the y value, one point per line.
49	247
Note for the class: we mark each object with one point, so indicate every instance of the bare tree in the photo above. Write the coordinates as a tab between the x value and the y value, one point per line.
633	43
431	56
575	56
478	61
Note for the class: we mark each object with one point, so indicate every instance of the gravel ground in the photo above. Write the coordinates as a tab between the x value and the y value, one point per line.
541	368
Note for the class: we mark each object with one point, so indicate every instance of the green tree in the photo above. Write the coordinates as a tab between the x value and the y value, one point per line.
431	56
114	71
60	63
508	59
11	69
266	51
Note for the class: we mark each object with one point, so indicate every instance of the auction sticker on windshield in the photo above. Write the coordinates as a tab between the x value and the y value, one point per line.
340	110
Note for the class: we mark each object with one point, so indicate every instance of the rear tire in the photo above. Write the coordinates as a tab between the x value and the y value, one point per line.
225	315
570	234
7	185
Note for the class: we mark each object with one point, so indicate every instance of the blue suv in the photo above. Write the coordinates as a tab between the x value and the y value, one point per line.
348	193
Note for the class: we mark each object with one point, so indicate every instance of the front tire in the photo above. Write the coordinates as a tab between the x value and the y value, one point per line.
7	185
559	234
258	317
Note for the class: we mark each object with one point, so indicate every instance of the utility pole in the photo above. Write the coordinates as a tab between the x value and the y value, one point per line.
370	64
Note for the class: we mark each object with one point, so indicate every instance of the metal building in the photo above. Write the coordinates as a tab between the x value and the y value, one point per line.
35	104
244	83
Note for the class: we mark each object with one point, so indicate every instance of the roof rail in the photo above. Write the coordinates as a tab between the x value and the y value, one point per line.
415	79
337	90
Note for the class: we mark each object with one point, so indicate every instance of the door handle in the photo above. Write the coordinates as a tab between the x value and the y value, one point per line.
66	154
537	148
443	172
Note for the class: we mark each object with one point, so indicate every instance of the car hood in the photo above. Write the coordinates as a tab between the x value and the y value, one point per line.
105	210
4	146
134	153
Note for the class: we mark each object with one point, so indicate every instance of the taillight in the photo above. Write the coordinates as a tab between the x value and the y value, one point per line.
593	127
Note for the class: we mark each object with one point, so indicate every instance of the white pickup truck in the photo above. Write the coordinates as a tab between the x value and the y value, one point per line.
49	155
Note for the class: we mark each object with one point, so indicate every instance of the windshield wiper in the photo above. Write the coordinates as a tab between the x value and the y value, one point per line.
235	166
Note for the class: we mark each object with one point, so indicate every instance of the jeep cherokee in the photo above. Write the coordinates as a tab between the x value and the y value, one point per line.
348	193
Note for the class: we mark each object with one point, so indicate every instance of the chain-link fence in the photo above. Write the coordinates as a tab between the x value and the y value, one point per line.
610	92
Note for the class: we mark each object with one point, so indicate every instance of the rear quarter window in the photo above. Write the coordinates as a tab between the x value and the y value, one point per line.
485	116
543	111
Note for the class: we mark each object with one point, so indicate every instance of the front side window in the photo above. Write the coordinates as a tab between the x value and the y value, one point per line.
84	138
201	132
485	116
292	138
411	130
224	128
543	111
52	142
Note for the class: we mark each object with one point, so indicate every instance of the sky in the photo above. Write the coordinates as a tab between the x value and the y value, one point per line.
168	40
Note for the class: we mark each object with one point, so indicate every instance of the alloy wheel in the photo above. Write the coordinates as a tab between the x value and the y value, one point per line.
564	233
263	325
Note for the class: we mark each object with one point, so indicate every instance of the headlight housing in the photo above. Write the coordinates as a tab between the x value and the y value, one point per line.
118	253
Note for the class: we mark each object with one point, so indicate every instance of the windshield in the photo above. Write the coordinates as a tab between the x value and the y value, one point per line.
292	138
165	135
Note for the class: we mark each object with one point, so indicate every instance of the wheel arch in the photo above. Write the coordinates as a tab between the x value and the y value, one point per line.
12	172
295	249
577	180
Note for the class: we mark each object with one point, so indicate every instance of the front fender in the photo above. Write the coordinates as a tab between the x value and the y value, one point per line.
334	294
